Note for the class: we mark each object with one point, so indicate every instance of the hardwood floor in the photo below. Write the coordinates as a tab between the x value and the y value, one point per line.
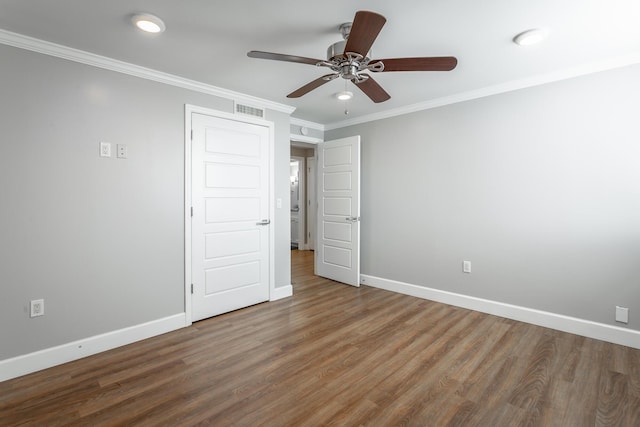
336	355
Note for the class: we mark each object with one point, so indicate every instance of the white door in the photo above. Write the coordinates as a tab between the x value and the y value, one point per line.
338	219
230	224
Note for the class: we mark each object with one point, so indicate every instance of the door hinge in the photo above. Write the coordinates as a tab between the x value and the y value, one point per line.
192	211
192	288
192	134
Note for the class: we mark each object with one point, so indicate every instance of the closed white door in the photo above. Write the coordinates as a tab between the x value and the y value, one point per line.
338	220
230	223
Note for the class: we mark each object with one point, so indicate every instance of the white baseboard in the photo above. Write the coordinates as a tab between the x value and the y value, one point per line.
281	292
36	361
586	328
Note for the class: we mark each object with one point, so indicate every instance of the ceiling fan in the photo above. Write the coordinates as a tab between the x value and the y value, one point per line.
348	59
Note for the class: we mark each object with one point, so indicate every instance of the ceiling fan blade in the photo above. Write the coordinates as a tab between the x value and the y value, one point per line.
282	57
373	90
364	30
436	63
311	86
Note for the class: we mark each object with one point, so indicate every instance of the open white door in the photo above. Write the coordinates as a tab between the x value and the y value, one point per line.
338	221
230	225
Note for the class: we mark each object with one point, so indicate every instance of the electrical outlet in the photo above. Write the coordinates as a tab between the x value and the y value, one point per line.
121	151
622	314
105	149
37	308
466	266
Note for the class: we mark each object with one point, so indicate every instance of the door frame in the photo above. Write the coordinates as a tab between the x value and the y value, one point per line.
188	111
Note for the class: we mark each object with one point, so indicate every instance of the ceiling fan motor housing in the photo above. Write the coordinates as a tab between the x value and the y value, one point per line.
347	66
349	71
336	49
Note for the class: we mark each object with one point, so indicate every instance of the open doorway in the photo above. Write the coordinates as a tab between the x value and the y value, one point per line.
302	192
298	195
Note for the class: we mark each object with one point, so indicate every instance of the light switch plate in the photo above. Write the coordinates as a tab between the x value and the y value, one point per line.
466	266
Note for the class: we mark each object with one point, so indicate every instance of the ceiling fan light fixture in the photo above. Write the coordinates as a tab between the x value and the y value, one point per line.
345	95
148	23
530	37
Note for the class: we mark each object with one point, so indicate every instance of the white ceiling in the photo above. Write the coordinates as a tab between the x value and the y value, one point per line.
208	41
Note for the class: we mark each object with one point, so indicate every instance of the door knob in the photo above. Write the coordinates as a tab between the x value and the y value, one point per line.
264	222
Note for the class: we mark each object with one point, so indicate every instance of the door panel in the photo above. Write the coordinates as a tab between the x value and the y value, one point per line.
220	175
340	206
337	181
339	257
230	142
338	244
221	209
231	243
230	197
232	277
338	231
337	156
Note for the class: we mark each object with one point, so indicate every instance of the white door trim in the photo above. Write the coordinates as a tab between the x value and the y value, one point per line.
188	111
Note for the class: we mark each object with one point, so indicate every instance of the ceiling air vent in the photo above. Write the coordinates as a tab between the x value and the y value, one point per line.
249	111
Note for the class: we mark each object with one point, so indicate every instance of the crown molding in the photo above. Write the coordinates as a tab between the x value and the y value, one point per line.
609	64
64	52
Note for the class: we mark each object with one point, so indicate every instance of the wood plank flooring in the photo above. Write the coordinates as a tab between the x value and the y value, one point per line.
334	355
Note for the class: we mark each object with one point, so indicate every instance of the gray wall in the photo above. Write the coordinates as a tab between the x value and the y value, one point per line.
538	188
283	183
100	239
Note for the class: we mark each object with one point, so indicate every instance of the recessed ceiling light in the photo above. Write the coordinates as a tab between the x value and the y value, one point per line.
149	23
529	37
345	95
